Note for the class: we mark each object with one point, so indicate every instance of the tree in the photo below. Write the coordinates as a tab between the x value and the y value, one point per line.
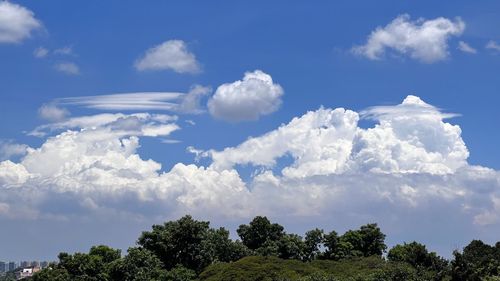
372	240
417	255
291	246
367	241
179	242
180	273
221	248
106	253
312	242
52	274
259	231
477	262
139	265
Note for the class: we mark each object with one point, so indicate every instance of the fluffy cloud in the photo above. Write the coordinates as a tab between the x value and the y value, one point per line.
16	22
423	40
320	142
52	112
9	149
410	138
69	68
466	48
246	99
409	172
172	54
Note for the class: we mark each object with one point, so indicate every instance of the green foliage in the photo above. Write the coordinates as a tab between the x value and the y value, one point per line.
53	274
180	273
80	266
221	248
179	242
365	242
291	246
372	240
188	250
190	243
479	261
312	242
257	268
272	268
106	253
417	255
139	265
259	231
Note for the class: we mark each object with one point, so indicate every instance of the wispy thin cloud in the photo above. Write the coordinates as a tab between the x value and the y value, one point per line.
40	52
466	48
163	101
492	45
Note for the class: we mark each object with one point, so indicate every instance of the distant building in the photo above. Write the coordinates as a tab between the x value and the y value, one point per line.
44	264
26	272
25	264
12	266
3	267
35	264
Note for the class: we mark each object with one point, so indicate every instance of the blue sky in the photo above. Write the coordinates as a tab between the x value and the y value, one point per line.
309	56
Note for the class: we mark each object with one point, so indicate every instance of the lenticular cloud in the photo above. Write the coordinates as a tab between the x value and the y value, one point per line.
411	166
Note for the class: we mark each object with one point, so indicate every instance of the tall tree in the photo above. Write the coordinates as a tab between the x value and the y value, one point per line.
259	231
180	242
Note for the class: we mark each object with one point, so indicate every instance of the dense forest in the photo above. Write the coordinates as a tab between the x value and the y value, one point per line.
187	249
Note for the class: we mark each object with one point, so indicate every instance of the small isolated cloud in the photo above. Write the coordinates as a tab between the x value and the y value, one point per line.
466	48
422	40
40	52
170	55
16	22
170	141
69	68
169	101
64	51
492	45
247	99
9	149
52	112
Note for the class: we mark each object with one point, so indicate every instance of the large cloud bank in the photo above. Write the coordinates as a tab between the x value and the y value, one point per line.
410	167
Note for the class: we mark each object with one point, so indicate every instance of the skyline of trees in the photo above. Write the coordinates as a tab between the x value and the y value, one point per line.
188	249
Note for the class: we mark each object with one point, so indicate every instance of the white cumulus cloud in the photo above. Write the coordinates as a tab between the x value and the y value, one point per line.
423	40
16	22
9	149
247	99
408	172
172	54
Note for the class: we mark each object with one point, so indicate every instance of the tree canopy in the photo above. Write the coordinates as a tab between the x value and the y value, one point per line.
188	249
